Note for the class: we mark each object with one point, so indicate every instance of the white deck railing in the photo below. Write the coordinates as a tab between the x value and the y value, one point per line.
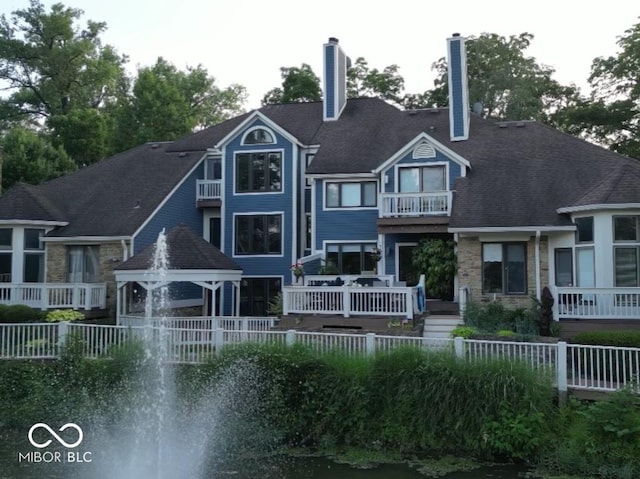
597	303
231	323
55	295
601	368
209	189
348	300
415	204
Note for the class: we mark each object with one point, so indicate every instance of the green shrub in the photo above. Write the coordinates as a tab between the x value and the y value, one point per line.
630	339
465	332
19	313
506	333
494	316
58	315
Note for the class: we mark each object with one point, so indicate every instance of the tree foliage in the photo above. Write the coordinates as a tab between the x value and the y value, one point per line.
436	259
387	84
299	84
611	115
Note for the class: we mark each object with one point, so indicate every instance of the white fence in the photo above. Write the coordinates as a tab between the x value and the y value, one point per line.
209	189
55	295
600	368
597	303
348	300
248	323
415	204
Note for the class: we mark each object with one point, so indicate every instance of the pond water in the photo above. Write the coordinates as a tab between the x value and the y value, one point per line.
14	445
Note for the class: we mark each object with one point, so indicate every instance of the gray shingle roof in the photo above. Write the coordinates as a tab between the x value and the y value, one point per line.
186	250
27	202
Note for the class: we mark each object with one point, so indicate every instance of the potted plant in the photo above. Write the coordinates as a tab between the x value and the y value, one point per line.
298	271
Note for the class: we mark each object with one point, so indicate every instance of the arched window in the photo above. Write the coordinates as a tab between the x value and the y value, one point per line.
258	136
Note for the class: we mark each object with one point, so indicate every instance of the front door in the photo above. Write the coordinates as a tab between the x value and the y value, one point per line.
406	271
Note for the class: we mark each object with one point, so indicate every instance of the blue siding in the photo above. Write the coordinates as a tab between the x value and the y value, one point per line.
330	81
390	241
282	201
457	87
338	225
455	170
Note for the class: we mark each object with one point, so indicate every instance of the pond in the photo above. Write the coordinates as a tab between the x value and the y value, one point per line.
20	460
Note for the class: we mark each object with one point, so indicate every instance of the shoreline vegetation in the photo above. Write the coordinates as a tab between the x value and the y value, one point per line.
401	406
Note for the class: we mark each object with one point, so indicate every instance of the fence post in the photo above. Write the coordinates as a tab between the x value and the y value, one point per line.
285	302
63	331
458	347
291	337
346	301
218	340
370	343
562	371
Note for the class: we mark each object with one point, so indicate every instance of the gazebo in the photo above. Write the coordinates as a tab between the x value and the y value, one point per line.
191	259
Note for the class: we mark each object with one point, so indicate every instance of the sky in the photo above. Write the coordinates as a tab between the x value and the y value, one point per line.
247	41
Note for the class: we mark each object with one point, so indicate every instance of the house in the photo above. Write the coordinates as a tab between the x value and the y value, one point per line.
327	183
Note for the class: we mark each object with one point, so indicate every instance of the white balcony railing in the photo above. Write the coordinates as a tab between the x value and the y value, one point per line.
415	204
348	300
597	303
55	295
209	189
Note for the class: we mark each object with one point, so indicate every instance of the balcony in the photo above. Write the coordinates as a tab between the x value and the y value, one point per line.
47	296
209	190
398	205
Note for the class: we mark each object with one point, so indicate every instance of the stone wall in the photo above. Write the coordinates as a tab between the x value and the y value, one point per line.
110	256
470	271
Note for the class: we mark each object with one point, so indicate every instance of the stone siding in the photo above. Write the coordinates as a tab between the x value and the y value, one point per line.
470	271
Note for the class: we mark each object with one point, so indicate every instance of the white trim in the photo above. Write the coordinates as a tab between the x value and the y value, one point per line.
450	154
612	206
258	127
257	213
297	192
312	246
266	151
339	176
165	200
251	118
84	239
510	229
33	223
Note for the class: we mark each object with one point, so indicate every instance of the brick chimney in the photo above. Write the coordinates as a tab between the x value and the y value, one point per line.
458	89
335	80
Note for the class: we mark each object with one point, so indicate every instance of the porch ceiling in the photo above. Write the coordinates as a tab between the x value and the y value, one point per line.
419	224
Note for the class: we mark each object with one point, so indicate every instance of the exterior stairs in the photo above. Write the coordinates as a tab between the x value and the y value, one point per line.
439	326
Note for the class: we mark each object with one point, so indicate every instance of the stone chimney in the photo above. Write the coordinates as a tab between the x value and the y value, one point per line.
335	80
458	89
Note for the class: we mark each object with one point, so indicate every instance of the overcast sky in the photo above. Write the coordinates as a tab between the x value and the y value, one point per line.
247	41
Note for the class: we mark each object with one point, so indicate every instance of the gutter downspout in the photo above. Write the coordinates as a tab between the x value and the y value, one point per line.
537	262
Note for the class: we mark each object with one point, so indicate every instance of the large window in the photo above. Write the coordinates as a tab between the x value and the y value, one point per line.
564	266
213	169
6	246
258	172
351	258
626	251
423	179
256	294
33	255
584	229
351	195
504	268
83	264
258	234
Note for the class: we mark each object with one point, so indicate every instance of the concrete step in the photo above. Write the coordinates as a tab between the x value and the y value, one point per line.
440	326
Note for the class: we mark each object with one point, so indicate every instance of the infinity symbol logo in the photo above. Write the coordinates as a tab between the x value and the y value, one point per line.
53	433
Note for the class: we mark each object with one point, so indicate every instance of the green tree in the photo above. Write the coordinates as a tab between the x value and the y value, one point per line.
507	83
611	115
166	103
386	84
27	157
299	84
436	259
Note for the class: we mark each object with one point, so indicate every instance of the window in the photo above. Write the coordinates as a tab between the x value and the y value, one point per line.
307	244
258	234
351	258
564	266
33	255
504	268
215	232
423	179
213	169
259	136
83	264
258	172
584	229
351	195
626	257
585	268
256	294
6	245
